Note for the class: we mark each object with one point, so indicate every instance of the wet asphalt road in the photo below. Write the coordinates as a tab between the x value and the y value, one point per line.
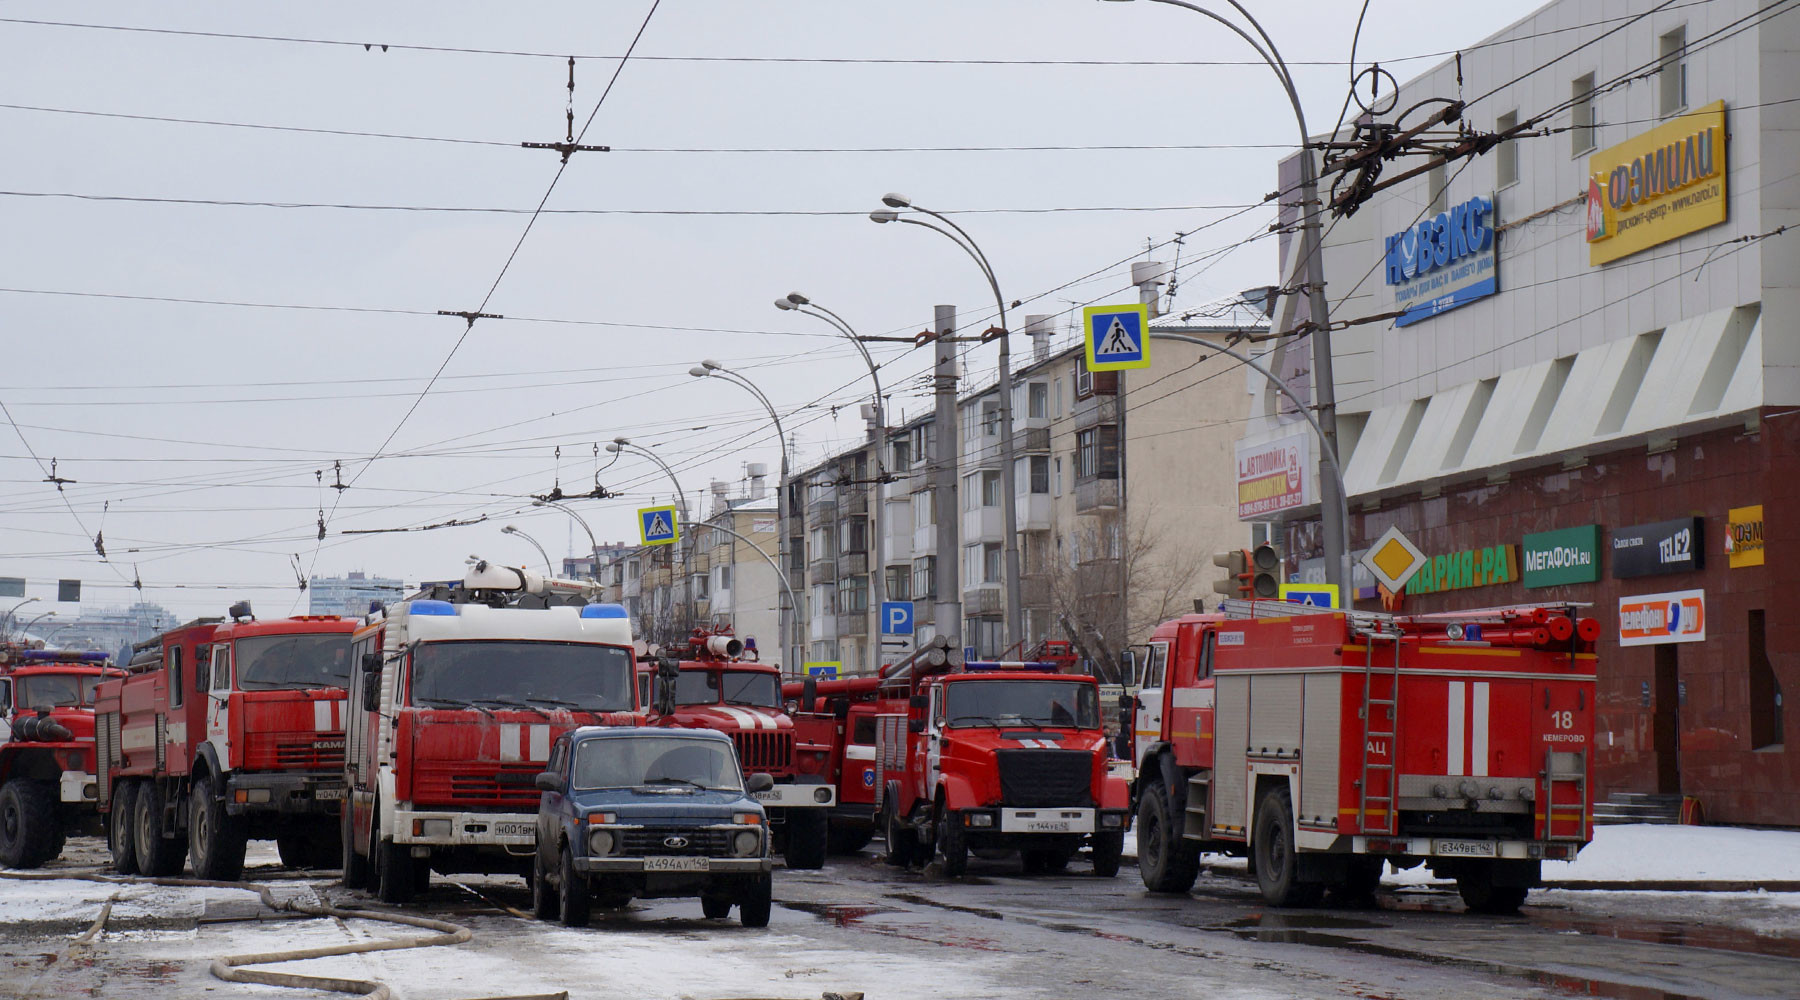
862	925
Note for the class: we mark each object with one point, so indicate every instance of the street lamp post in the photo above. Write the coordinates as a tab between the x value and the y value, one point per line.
712	369
12	615
1333	510
593	544
877	565
1008	475
510	530
27	626
793	670
622	446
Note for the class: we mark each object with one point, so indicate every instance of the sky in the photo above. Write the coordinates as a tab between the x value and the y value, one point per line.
203	437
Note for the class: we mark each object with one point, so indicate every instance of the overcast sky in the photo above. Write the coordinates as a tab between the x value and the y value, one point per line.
195	432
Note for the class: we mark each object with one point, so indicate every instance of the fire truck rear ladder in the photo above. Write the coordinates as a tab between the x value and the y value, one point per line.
1372	731
1565	766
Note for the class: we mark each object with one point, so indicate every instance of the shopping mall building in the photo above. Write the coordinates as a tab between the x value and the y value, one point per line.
1581	381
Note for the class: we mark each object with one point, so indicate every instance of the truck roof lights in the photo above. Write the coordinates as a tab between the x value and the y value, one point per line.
441	608
62	656
604	611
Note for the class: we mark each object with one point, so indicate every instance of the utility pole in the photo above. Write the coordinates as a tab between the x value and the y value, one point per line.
946	615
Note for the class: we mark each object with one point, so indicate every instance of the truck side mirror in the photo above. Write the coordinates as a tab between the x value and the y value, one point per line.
371	663
918	701
915	725
371	696
549	781
758	783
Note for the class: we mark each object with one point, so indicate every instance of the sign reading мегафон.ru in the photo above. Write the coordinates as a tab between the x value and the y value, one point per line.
1568	555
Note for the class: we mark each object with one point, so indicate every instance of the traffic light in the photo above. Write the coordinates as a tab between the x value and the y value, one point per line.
1236	564
1265	572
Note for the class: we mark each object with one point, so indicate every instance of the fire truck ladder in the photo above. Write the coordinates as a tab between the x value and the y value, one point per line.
1373	730
1570	767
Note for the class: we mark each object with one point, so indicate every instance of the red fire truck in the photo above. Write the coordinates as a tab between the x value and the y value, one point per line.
996	757
47	786
710	685
457	697
1323	743
224	732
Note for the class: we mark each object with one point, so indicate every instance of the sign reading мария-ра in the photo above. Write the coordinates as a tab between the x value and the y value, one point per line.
1444	262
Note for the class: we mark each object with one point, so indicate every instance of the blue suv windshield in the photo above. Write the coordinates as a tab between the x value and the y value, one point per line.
623	762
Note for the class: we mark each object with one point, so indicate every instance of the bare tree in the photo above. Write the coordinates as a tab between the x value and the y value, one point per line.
1116	586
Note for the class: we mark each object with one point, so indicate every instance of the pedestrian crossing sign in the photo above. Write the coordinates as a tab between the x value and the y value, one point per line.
658	526
1118	337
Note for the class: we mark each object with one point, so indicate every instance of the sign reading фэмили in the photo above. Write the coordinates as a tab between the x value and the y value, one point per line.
1569	555
1443	262
1668	182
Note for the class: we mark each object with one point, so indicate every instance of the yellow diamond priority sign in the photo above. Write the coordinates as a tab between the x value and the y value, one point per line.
1393	559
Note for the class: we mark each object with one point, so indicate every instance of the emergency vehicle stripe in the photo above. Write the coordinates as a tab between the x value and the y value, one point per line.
509	740
540	742
321	716
1453	749
1478	733
741	717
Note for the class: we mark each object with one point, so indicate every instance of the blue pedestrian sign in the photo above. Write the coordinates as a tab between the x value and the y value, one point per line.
658	526
896	618
1318	595
1117	337
823	670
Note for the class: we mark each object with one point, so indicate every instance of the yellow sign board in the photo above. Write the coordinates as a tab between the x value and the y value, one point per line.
1744	536
1666	183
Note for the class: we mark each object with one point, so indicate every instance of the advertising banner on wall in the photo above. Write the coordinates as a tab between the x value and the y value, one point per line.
1443	262
1274	476
1666	183
1553	558
1744	536
1653	549
1653	619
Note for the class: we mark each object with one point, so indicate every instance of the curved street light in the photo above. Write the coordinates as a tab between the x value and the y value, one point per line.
510	530
1008	454
593	544
12	615
620	446
1337	536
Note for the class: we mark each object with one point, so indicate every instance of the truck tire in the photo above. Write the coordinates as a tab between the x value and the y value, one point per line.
1481	895
902	842
356	867
1107	849
305	849
395	879
849	839
121	817
807	833
1277	862
715	907
576	905
1362	876
756	902
157	855
216	840
29	832
952	843
543	895
1166	861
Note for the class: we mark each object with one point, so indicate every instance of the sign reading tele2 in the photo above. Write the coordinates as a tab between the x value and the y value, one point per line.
1663	547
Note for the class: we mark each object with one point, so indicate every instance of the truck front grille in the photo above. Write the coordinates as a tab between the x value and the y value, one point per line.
765	750
481	785
653	841
297	752
1034	778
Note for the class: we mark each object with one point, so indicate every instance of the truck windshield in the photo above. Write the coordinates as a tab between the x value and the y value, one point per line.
290	662
523	674
1021	703
57	690
657	760
740	687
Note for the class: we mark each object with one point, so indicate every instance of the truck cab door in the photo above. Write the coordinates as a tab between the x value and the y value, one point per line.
934	738
218	704
5	709
1149	716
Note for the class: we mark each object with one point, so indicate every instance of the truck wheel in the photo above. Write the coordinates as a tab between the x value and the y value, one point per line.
544	903
849	840
1166	861
356	867
28	827
575	902
1362	876
1277	863
952	843
157	855
216	840
1481	895
395	880
807	831
1107	848
715	907
902	844
756	902
120	819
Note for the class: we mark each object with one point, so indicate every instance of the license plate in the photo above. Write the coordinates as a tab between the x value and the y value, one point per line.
329	793
677	864
1048	826
1465	848
515	829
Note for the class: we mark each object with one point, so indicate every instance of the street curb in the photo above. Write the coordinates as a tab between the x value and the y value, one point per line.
1596	885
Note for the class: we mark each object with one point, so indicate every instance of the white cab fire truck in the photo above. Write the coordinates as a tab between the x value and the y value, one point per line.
1324	743
457	695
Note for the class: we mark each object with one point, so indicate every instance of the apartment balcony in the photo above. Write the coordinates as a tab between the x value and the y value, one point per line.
1035	589
1096	495
822	571
1035	441
1096	410
1097	577
985	599
853	624
852	564
924	539
853	500
899	548
822	511
983	524
822	628
1036	511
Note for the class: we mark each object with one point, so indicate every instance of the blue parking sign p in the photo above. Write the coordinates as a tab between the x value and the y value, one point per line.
896	618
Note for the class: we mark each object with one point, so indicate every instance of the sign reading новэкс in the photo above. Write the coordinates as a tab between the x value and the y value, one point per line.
1443	262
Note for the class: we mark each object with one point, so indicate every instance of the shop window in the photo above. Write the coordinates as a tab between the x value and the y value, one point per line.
1765	689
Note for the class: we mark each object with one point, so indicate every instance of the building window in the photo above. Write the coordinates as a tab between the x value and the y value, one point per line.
1084	380
1037	400
1506	155
1671	72
987	633
1059	398
902	447
820	545
853	536
701	584
990	419
822	601
1097	453
1056	483
897	583
853	595
1040	473
990	562
1581	115
924	578
724	577
924	512
990	489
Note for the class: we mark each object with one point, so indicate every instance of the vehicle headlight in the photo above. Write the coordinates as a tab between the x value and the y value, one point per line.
980	819
600	843
748	844
1112	820
822	794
